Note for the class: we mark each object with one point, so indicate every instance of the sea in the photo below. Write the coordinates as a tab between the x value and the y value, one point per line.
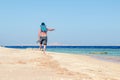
106	53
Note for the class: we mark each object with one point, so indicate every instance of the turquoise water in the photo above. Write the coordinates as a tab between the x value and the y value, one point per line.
87	51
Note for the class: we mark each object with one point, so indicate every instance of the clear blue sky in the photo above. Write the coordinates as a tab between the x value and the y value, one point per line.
82	22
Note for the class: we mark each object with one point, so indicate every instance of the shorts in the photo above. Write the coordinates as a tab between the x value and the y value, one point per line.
43	40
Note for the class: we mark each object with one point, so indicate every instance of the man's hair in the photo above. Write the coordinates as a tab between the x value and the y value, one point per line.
42	23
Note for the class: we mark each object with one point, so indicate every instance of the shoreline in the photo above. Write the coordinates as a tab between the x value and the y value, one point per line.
107	58
16	63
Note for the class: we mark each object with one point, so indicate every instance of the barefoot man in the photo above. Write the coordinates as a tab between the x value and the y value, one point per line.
42	36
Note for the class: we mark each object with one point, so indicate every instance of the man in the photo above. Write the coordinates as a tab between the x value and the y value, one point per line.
42	36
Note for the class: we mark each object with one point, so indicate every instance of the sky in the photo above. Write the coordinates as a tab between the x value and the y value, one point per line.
76	22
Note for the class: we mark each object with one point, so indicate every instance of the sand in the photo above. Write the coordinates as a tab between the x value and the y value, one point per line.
32	64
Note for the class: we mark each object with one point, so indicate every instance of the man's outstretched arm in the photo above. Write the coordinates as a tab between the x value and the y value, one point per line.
50	29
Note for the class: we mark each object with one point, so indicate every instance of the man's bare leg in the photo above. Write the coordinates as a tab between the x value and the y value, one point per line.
44	51
40	48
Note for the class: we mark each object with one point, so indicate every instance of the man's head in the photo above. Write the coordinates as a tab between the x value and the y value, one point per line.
43	27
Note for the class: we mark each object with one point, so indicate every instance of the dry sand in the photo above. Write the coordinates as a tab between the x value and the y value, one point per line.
32	64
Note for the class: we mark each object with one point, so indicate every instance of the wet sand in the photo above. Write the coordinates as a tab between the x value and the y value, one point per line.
114	59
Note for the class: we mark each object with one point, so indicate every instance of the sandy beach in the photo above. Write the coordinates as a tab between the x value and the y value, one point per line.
32	64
